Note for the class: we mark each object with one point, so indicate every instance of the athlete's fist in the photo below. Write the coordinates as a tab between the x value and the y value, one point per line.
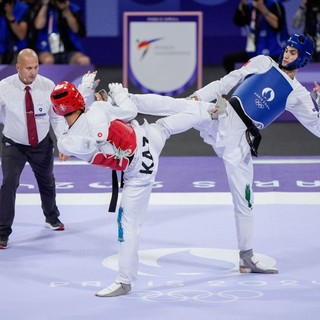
316	87
218	108
194	96
88	84
89	81
316	92
118	93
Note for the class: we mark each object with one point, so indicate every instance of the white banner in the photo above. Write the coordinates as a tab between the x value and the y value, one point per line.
163	51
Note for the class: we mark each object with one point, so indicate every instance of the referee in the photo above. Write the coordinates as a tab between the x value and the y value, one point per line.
20	144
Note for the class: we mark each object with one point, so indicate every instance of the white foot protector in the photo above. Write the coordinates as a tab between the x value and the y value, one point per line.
114	290
249	263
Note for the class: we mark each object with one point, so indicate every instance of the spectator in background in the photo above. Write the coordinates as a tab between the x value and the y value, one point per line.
59	31
13	30
308	16
28	18
266	27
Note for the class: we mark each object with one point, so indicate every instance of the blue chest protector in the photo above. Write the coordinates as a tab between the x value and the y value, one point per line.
263	96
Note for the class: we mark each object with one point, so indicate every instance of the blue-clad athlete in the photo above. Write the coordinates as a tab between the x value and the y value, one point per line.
262	90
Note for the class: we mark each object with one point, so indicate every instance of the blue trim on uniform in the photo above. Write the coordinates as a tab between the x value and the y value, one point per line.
120	229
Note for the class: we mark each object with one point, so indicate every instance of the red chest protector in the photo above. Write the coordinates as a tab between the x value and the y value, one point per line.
123	139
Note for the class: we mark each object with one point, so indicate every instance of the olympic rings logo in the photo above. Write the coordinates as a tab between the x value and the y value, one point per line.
224	296
259	104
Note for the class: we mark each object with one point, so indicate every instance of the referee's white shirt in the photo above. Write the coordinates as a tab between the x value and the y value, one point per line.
13	110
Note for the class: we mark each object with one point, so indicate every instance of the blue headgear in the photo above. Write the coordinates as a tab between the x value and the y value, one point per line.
304	45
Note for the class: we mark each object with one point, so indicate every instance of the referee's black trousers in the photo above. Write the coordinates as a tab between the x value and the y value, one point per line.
14	158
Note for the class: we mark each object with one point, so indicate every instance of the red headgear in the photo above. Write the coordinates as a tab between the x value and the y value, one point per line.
66	98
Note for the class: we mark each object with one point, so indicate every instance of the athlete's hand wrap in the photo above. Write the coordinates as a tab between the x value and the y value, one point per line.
218	108
118	93
318	98
316	93
193	96
88	85
102	95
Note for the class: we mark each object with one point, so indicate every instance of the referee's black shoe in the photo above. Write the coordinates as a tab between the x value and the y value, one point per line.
55	225
3	241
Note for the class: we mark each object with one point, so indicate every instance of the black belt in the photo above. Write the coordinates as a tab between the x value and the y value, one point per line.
115	188
253	135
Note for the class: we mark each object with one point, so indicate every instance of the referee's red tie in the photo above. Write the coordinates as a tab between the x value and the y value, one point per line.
31	121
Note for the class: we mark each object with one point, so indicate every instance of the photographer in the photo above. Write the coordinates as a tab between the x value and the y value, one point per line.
59	31
265	24
308	16
13	30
